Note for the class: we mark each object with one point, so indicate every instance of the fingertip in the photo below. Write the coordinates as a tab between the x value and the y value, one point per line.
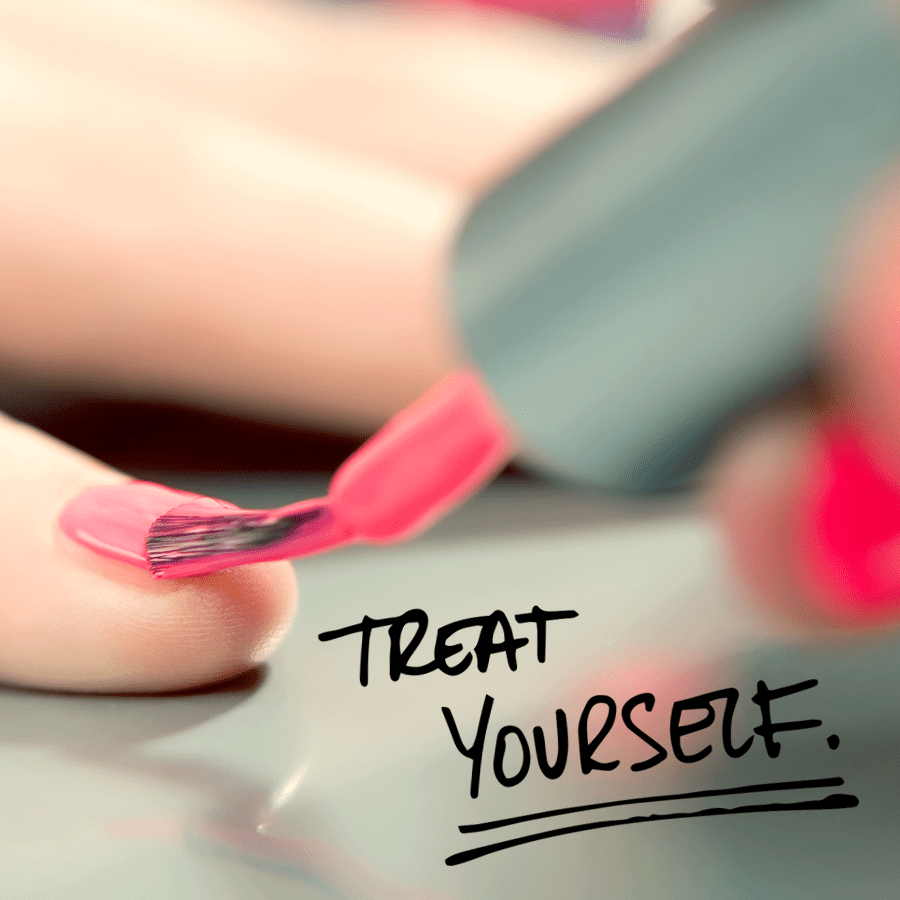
194	631
848	529
146	634
159	635
811	524
139	634
74	620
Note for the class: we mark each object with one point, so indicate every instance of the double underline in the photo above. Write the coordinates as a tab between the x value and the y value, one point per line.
832	801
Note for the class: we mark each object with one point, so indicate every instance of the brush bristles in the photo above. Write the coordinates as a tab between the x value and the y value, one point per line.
177	539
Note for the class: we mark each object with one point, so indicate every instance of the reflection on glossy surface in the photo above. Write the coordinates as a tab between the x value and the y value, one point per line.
297	782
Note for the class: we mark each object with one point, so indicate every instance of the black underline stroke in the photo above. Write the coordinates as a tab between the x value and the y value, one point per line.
691	795
833	801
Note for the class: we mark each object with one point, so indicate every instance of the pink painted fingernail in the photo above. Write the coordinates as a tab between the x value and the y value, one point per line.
622	19
113	520
849	530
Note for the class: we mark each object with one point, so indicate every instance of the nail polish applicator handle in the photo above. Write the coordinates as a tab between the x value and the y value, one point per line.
425	460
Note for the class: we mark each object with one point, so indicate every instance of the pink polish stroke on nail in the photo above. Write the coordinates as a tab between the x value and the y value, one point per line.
196	517
113	520
849	542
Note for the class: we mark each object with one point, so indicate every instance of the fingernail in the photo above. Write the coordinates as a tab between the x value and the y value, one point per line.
849	531
113	520
623	19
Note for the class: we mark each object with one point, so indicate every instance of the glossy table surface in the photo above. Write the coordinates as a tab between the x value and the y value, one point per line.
296	781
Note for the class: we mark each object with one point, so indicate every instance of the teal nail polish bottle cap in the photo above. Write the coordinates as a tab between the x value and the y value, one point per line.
666	262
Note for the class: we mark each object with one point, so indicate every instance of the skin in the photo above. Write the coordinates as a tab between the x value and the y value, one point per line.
188	187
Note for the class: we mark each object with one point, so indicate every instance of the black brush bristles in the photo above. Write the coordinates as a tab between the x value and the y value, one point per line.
175	539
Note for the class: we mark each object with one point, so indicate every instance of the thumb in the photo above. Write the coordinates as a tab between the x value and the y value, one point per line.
75	621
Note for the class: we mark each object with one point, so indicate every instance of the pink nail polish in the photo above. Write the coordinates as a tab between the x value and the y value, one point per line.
113	520
849	531
623	19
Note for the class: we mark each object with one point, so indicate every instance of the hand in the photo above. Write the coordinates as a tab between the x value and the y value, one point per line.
239	205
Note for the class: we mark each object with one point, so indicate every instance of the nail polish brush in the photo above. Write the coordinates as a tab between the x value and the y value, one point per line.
425	461
645	279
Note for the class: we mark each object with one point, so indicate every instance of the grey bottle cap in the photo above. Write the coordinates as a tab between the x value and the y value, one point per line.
664	263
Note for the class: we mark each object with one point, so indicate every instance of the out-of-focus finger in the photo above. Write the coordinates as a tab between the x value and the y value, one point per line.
149	246
455	94
813	520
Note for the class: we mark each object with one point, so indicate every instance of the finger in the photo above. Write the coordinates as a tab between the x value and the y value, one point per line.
75	621
157	243
149	247
813	518
456	95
